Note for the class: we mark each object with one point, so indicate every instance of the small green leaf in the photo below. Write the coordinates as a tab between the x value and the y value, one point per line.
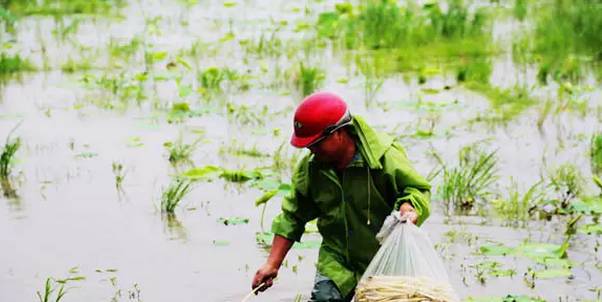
221	242
265	197
495	250
553	273
202	173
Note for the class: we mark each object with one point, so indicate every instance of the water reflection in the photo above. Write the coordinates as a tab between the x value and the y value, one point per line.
173	227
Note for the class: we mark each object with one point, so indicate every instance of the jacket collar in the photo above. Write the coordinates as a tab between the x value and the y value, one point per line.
372	144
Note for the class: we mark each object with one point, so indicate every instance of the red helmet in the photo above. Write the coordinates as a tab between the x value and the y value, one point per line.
318	115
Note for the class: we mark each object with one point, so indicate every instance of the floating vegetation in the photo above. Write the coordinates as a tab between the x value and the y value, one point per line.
208	172
468	183
240	175
174	194
233	220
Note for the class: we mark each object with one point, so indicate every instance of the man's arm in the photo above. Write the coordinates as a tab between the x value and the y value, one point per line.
288	226
266	274
412	191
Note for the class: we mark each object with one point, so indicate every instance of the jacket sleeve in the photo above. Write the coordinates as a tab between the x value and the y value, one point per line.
297	208
407	184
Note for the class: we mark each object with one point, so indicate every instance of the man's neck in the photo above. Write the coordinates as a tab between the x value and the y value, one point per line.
347	155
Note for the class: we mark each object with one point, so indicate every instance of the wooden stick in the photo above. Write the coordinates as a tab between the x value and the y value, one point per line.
248	296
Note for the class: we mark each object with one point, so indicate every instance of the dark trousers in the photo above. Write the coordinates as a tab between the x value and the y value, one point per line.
325	290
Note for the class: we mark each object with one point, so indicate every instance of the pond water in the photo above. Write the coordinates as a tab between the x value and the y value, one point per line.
70	220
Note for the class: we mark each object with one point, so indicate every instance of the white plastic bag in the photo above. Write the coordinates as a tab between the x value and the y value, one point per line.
405	268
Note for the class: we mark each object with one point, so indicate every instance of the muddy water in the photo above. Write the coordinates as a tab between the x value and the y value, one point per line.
69	215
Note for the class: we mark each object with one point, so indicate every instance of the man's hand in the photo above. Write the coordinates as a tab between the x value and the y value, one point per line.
268	272
265	274
406	209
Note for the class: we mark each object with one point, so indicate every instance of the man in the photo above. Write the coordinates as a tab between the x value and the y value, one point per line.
351	181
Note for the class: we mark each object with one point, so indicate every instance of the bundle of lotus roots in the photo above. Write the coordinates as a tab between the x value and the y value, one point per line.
403	289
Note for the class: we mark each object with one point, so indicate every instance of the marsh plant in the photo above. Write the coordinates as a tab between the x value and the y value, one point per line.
119	173
180	152
11	64
55	290
309	79
417	32
568	35
6	160
213	79
595	153
469	182
517	207
567	181
173	195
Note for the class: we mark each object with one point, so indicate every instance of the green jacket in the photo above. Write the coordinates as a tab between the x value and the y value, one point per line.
352	209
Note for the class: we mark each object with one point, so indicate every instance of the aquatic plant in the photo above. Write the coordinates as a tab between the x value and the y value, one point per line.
62	7
13	64
308	79
567	181
7	156
52	285
174	194
567	37
424	32
469	182
247	115
180	152
596	153
506	103
520	9
124	51
210	79
119	174
516	207
49	289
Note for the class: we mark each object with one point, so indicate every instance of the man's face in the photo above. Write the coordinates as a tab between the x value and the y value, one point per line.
328	149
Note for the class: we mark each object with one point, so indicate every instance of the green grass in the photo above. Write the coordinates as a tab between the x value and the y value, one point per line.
309	79
596	153
174	194
469	182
